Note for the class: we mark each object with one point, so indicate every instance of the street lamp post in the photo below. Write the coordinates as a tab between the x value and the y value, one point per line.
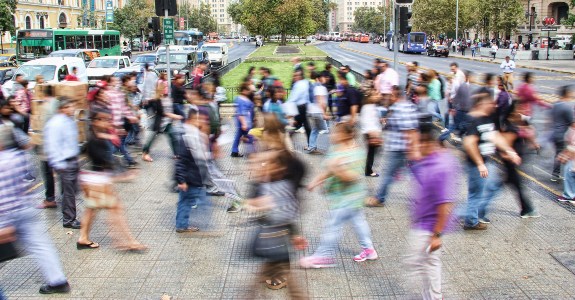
456	19
531	15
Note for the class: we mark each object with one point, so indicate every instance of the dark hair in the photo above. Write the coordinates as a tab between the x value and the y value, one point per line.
564	91
481	97
99	110
311	64
245	87
527	76
488	77
74	68
347	67
415	63
247	78
314	75
428	132
126	79
24	83
467	74
48	90
328	66
193	112
18	75
251	69
454	64
216	78
4	102
378	60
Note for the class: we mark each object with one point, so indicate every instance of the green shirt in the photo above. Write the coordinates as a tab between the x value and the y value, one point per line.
351	79
342	194
434	90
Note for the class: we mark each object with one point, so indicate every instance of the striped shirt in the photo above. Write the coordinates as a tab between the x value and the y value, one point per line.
118	107
14	195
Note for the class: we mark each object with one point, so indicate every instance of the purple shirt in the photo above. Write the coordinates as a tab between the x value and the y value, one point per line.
436	177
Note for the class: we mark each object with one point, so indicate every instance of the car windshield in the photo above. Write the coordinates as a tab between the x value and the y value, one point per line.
174	58
145	59
3	58
104	63
69	54
31	71
212	49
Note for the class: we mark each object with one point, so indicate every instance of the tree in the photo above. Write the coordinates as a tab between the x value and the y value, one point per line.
132	17
88	18
284	17
7	8
371	19
199	17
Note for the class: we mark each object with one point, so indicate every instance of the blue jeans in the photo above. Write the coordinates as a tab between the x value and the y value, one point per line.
122	148
238	136
330	238
480	191
433	109
185	202
133	134
317	124
459	125
394	162
31	233
569	181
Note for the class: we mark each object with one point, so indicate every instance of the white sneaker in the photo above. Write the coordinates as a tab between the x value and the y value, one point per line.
324	132
300	130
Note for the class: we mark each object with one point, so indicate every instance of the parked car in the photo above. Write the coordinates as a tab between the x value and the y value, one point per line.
87	55
6	73
181	62
53	69
438	50
143	59
8	60
106	65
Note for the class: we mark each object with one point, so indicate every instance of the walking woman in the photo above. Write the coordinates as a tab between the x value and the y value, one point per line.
346	191
164	110
371	129
98	187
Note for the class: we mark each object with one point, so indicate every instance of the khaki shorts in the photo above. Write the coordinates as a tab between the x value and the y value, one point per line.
508	77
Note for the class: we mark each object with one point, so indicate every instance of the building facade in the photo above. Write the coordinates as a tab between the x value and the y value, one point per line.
536	11
40	14
346	8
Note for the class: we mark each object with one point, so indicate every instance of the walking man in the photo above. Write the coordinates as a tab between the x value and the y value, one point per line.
562	117
508	66
61	148
400	138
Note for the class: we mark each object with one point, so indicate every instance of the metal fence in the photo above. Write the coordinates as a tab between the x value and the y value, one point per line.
336	63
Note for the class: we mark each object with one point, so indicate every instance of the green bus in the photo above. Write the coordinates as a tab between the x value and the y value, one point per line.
37	43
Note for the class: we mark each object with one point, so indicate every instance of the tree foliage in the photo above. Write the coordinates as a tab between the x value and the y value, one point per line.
487	16
7	8
284	17
372	20
133	16
199	17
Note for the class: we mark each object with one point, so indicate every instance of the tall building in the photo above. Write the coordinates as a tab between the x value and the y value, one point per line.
40	14
346	8
536	11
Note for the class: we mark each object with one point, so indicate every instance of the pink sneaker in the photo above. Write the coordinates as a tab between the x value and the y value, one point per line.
316	262
366	254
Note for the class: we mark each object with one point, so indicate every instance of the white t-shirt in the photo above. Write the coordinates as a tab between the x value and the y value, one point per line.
314	108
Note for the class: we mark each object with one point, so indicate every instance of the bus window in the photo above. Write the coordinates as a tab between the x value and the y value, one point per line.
59	42
113	40
90	42
70	42
106	40
80	42
98	42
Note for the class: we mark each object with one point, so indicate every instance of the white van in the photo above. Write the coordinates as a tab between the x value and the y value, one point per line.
53	69
218	54
106	66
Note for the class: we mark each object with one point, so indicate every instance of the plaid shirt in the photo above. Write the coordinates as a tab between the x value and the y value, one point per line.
402	116
14	194
118	107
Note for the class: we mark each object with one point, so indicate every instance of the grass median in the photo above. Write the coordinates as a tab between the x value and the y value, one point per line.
280	70
268	51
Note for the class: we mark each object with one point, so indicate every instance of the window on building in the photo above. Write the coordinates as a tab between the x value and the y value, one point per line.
28	22
42	23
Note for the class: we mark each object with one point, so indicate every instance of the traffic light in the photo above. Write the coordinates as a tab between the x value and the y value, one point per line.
170	5
404	16
155	24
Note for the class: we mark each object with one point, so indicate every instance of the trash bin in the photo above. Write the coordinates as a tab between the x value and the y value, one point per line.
535	54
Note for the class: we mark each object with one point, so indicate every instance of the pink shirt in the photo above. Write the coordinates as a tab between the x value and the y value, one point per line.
387	80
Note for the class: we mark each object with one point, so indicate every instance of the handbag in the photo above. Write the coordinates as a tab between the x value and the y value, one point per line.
98	190
271	242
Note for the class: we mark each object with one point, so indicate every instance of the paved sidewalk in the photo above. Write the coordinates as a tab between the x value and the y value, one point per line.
560	66
511	260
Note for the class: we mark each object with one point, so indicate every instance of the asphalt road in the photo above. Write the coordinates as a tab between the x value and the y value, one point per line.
239	49
536	166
